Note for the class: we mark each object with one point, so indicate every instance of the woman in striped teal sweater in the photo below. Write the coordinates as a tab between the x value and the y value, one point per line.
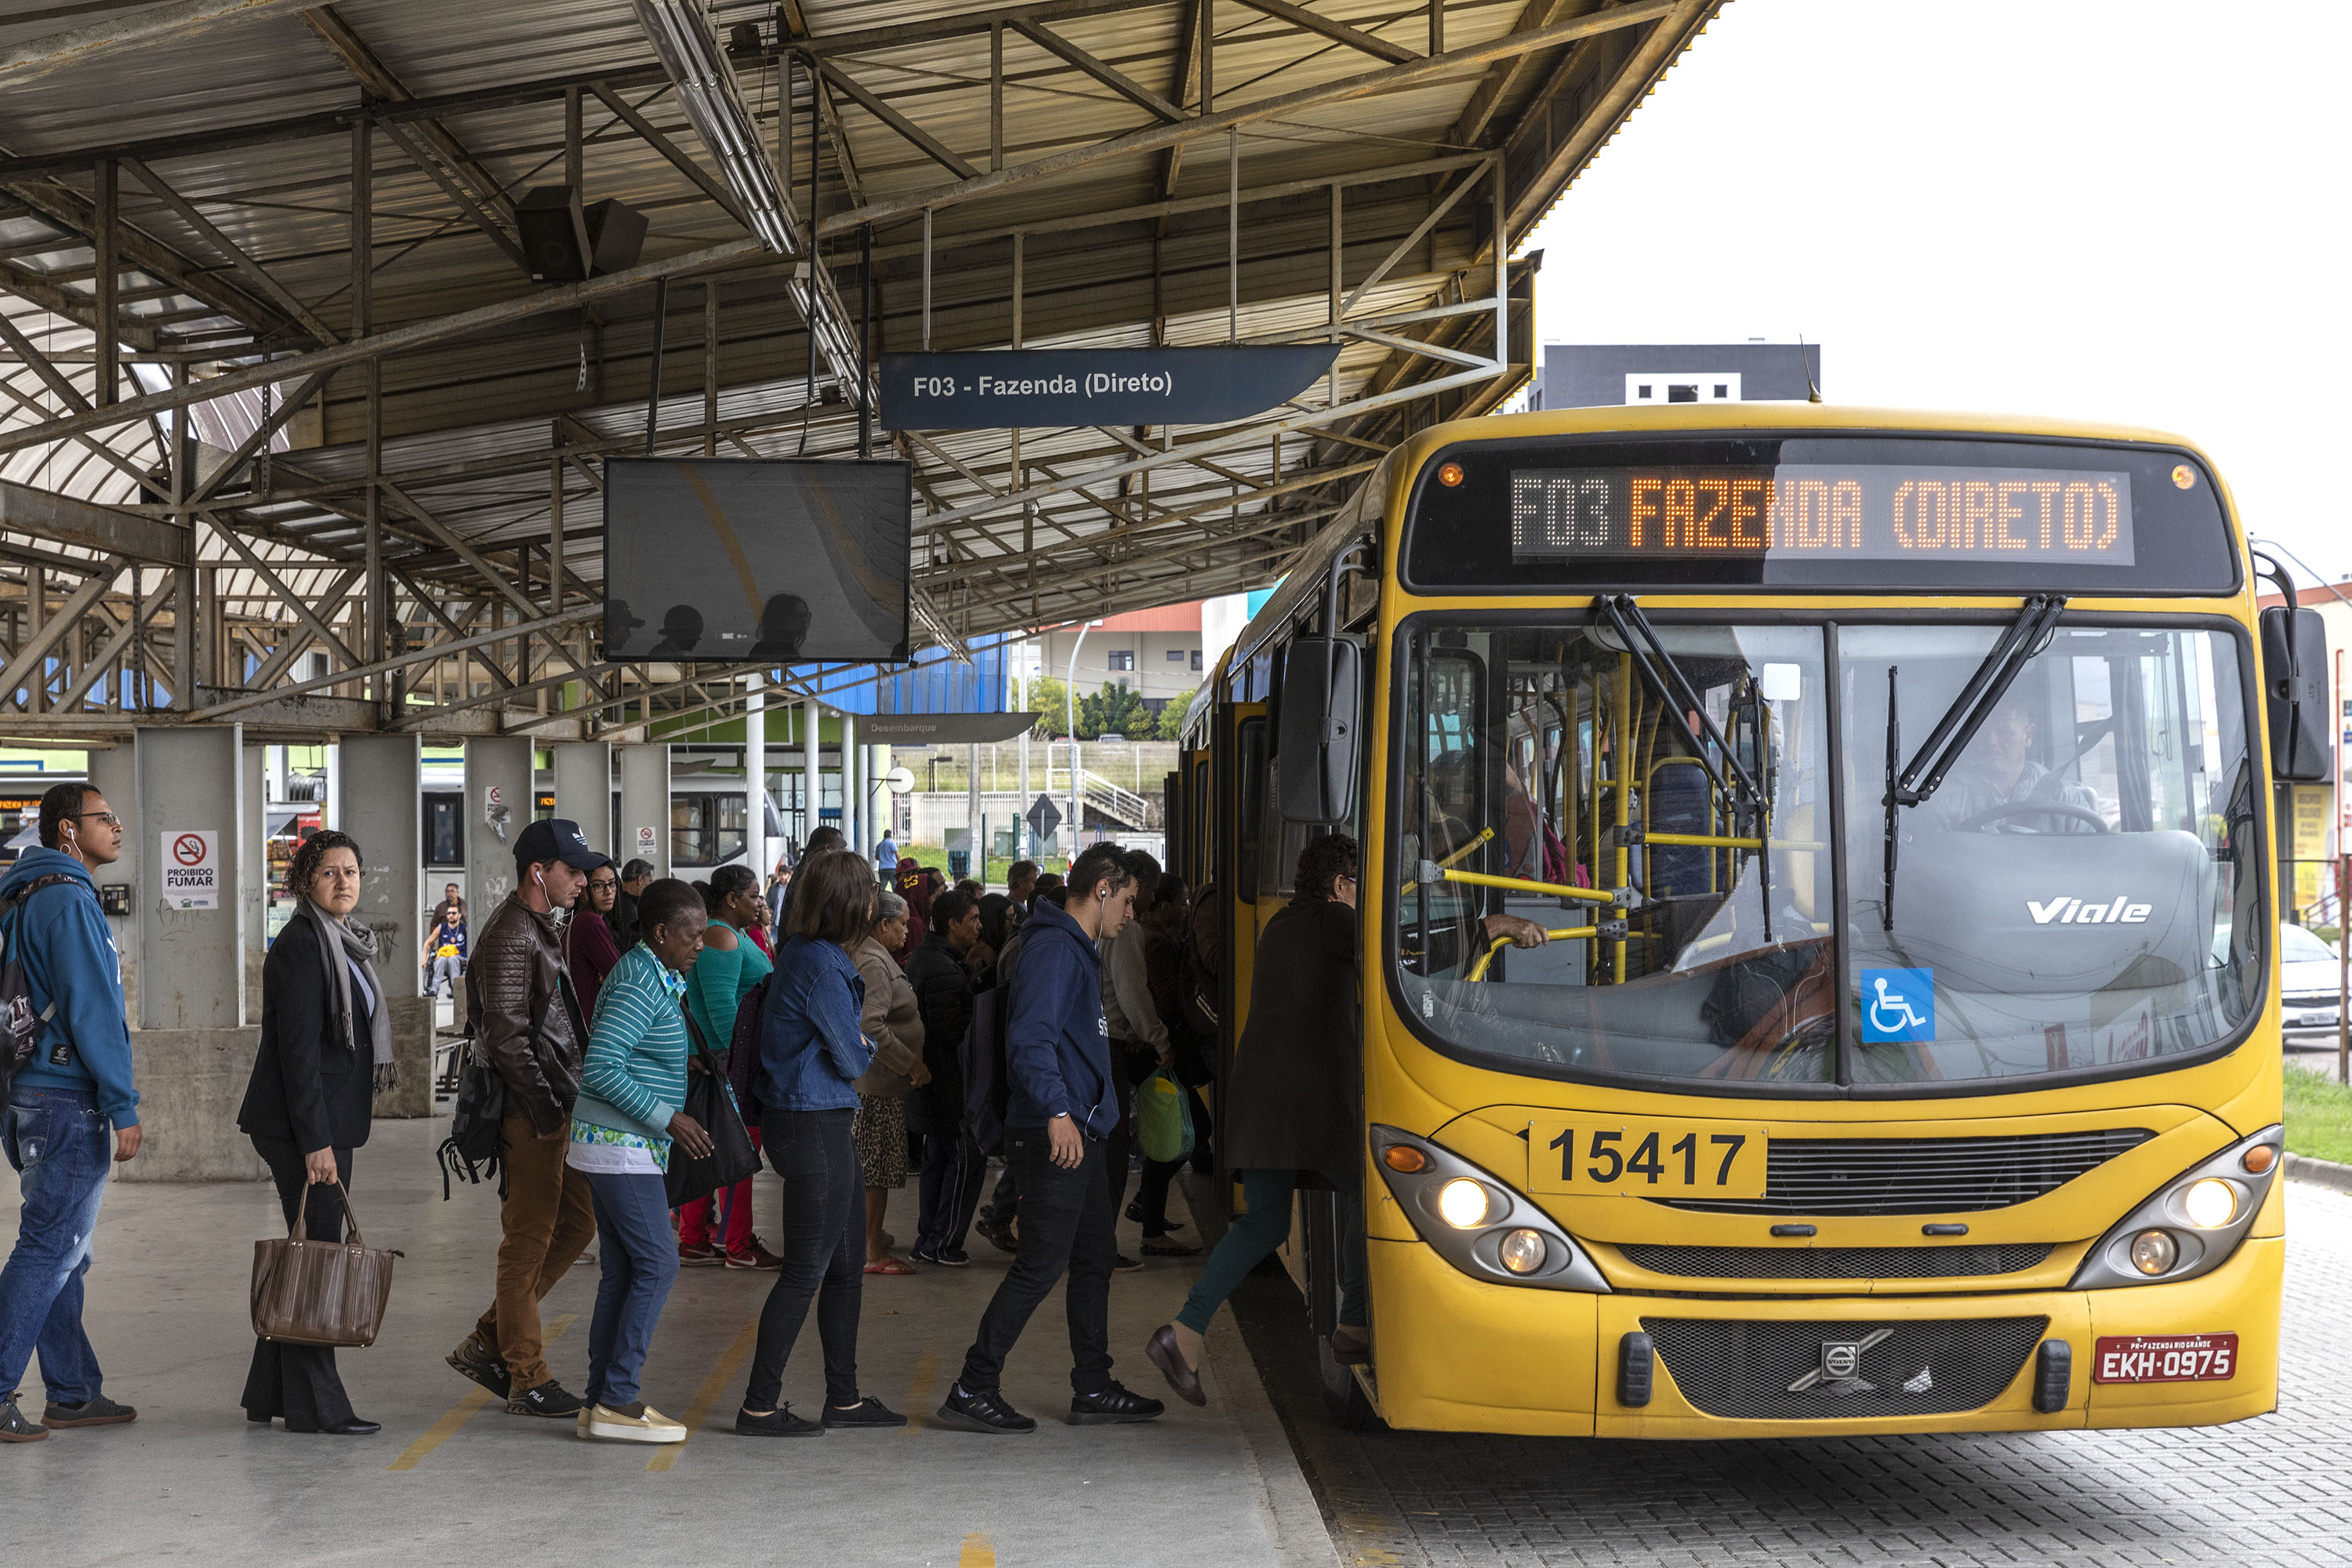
632	1087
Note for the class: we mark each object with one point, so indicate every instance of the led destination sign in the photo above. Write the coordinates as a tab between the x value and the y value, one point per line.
1824	511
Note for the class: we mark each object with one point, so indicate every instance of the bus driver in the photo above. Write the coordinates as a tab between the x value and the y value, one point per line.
1999	772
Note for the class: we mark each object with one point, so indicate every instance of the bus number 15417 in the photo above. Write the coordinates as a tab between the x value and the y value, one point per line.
1646	1158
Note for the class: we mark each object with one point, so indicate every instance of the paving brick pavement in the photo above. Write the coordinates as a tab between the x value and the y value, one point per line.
2273	1491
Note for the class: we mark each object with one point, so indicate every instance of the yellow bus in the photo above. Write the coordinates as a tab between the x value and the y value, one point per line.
1816	871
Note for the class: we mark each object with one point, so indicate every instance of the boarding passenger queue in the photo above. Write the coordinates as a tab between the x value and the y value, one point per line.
596	992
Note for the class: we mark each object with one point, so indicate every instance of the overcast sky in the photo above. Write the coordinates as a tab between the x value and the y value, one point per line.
2127	212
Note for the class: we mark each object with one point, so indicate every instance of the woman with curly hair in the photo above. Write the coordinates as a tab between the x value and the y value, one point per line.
1291	1108
326	1048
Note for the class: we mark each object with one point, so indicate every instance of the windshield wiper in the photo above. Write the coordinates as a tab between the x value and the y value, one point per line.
1673	688
2025	638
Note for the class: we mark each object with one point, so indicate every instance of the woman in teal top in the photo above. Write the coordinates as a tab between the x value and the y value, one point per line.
629	1112
729	967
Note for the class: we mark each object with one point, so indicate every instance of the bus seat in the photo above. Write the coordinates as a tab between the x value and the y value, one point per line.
2052	912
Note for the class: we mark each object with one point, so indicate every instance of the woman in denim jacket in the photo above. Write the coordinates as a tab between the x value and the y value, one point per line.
811	1053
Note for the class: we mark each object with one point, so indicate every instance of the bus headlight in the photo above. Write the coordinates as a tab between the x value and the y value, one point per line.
1481	1226
1522	1251
2193	1224
1463	1203
2210	1204
2154	1251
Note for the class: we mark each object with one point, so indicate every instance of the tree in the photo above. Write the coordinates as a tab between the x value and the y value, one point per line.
1171	718
1113	710
1048	698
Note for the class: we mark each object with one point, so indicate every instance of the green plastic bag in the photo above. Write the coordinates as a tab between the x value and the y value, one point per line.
1163	1119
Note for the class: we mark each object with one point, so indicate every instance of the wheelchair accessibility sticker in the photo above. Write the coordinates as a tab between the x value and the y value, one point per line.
1898	1005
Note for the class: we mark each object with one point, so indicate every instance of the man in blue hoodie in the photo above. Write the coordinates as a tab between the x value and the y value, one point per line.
61	1107
1063	1103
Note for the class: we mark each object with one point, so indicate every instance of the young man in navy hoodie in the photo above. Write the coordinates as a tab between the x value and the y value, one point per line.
62	1107
1062	1104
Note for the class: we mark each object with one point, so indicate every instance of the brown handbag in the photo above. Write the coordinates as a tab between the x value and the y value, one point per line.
320	1292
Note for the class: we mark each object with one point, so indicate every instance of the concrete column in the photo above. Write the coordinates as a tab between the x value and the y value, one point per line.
115	770
971	817
756	853
504	765
193	1052
253	882
812	720
853	820
383	776
644	805
584	789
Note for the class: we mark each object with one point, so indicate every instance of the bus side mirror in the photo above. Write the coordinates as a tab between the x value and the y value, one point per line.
1316	755
2294	693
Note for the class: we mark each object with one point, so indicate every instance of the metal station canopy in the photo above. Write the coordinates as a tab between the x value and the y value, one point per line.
290	435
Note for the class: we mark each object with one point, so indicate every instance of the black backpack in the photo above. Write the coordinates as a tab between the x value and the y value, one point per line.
20	1026
987	1080
475	1147
743	1050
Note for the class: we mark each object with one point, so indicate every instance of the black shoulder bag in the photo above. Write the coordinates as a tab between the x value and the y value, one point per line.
731	1158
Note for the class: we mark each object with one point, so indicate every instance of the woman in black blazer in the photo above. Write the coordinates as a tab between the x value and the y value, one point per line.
326	1045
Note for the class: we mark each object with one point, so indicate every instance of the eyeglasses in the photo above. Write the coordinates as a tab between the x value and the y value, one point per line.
108	817
602	885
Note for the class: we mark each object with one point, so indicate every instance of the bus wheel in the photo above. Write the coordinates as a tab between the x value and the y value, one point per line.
1343	1395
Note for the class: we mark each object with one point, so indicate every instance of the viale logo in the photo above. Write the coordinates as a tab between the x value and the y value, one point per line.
2063	911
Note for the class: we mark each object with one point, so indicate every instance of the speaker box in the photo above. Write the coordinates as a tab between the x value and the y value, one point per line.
615	234
567	243
554	234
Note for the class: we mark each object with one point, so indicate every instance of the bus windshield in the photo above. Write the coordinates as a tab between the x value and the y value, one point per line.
2079	893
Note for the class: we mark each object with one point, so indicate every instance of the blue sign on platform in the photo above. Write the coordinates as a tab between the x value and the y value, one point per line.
1898	1005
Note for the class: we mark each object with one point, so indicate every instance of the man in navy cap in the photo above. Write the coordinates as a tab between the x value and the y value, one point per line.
525	1021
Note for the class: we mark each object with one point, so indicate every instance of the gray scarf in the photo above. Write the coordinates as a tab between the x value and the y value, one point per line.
342	946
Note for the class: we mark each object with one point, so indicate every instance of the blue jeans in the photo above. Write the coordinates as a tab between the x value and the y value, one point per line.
57	1143
639	1256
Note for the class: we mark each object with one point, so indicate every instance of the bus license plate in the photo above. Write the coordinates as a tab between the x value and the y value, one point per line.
2165	1358
1645	1158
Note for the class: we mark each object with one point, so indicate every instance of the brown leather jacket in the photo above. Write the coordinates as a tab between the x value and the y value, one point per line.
510	984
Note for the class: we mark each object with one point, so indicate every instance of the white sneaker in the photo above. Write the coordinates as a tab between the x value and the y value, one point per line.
652	1426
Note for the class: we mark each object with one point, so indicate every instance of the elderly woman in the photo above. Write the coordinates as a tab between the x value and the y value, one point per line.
629	1114
811	1052
894	1023
326	1044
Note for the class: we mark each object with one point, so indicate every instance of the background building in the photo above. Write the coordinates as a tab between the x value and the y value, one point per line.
1600	375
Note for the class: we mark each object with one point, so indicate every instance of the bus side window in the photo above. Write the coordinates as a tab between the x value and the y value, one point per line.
1199	827
1249	759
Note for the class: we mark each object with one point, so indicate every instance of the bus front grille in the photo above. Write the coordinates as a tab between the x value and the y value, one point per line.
1836	1262
1921	1175
1774	1371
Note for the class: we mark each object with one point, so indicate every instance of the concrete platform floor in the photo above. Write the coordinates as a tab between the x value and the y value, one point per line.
453	1478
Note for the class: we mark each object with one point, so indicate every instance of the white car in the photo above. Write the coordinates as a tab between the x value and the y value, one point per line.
2310	980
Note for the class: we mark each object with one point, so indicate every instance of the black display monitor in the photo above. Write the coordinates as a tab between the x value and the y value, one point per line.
736	559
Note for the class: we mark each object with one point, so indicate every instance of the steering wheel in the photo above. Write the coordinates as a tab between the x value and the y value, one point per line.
2032	809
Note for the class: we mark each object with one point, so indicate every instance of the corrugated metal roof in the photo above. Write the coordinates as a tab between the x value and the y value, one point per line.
249	123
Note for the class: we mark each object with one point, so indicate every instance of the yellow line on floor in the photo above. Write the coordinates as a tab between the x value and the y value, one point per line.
919	1393
441	1431
979	1552
708	1395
